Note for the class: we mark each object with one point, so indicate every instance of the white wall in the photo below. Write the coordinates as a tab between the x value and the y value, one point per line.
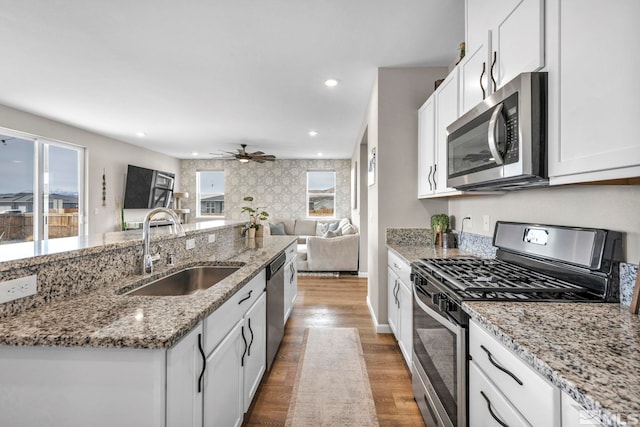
600	206
104	154
391	122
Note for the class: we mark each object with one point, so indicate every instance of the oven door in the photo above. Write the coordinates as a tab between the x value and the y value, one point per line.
439	353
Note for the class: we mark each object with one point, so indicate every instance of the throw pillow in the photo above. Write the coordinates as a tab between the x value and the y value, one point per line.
321	228
348	229
277	229
329	234
334	226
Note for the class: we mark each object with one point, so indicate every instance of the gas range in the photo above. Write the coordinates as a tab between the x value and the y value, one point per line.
533	263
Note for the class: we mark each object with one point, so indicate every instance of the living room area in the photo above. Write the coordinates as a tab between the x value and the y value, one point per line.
310	198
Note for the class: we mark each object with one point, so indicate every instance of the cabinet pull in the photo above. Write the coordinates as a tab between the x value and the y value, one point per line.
244	340
435	184
250	342
204	363
293	273
396	289
506	371
245	298
493	79
429	178
484	69
498	420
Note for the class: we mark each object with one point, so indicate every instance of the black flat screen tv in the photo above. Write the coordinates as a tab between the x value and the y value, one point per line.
147	188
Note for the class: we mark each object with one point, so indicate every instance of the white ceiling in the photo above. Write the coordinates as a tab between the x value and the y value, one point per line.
207	75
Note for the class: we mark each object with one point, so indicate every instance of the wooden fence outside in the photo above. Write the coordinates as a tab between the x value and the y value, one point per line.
19	227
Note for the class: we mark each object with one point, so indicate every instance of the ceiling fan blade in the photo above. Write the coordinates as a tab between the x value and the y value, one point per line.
257	153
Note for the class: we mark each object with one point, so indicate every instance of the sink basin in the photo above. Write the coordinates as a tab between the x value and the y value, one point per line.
186	282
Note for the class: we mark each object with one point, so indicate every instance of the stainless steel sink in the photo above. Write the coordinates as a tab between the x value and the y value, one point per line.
186	282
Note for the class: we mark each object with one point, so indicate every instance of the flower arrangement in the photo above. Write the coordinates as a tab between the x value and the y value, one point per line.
255	214
439	225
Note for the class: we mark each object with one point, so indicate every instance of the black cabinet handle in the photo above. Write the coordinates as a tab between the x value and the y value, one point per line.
484	69
250	342
435	184
429	178
495	417
293	273
506	371
245	347
245	298
204	363
493	64
396	288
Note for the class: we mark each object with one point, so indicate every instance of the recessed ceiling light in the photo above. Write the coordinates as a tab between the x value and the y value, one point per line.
319	154
313	132
331	83
195	153
140	134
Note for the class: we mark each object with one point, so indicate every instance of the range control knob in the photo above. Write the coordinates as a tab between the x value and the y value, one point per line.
436	298
445	304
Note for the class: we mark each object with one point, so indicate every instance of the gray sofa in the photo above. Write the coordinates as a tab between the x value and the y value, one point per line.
317	251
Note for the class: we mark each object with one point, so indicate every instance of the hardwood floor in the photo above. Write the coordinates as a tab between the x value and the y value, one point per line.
337	302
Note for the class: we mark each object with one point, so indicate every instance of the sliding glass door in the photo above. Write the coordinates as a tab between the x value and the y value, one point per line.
41	189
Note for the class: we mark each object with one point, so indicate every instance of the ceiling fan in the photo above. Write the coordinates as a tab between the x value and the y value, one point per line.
243	156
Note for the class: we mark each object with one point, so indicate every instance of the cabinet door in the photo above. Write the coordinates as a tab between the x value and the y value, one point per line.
474	77
184	389
426	147
392	301
573	415
593	104
255	358
447	111
518	41
223	381
290	287
406	321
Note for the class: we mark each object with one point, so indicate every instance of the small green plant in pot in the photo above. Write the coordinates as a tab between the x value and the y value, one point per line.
439	225
255	216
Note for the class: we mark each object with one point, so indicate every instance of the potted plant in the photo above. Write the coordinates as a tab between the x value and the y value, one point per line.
439	226
255	216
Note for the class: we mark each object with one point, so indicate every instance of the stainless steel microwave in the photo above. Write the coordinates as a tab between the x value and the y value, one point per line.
501	143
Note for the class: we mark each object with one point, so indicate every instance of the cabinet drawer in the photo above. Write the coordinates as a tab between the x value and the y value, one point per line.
536	398
291	252
486	403
220	322
400	267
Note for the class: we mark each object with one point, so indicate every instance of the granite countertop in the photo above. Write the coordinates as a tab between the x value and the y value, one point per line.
591	351
410	252
105	318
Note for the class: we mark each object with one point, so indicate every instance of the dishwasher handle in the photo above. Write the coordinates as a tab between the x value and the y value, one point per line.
276	265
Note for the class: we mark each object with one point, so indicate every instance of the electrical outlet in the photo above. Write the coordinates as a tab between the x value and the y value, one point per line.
18	288
486	222
212	238
191	243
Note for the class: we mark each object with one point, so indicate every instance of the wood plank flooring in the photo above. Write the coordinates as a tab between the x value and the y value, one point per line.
337	302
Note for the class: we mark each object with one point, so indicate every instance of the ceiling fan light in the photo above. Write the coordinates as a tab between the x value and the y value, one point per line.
243	160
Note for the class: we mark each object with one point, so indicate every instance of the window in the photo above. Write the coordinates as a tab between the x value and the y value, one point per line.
210	197
321	193
51	170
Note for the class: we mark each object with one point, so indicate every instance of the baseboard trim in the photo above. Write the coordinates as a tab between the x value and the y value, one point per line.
363	274
380	328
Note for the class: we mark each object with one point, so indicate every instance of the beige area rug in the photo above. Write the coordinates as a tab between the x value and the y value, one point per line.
332	386
330	274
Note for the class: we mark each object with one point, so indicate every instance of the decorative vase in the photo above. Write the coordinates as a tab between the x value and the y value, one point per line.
251	233
259	232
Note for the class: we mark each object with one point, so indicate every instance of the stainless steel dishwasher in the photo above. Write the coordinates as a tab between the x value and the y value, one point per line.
275	307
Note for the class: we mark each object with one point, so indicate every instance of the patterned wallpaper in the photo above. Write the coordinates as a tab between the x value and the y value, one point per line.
280	186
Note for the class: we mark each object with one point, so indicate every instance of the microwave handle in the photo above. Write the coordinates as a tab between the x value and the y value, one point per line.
493	146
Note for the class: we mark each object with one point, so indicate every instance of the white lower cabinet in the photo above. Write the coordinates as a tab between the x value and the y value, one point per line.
500	380
573	415
400	305
290	280
255	357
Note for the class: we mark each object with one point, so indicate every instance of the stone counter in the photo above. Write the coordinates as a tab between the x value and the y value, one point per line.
589	350
104	318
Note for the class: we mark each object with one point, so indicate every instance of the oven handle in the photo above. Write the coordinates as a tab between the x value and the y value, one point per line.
493	145
452	326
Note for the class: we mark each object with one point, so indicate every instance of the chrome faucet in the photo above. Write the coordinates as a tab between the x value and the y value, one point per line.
147	258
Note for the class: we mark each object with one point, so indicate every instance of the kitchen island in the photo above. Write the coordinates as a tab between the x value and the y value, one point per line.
84	353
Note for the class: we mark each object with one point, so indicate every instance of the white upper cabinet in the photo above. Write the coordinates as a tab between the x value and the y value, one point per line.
438	112
504	38
426	144
593	90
